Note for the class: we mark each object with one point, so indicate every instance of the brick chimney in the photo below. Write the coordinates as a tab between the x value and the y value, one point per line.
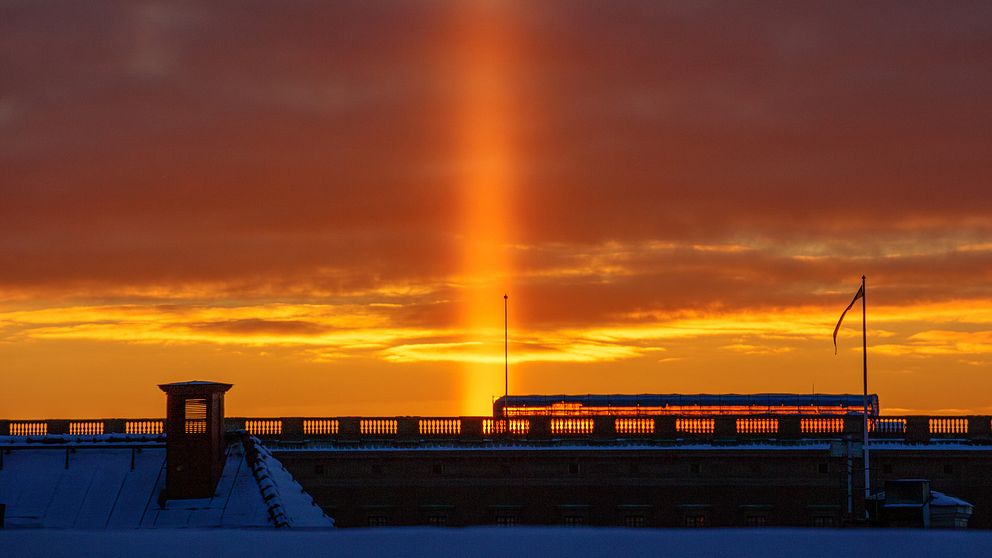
194	443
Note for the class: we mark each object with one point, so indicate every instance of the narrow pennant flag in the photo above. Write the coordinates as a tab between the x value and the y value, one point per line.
861	293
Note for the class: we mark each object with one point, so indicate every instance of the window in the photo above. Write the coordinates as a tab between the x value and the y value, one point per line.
573	468
438	468
823	521
195	416
506	520
824	468
634	521
887	468
948	469
695	468
318	469
573	520
756	520
378	521
695	520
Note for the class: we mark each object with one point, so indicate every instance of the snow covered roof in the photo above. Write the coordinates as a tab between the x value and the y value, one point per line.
941	499
938	499
116	482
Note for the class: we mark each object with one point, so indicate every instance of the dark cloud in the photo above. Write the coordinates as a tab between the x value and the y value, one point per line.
318	145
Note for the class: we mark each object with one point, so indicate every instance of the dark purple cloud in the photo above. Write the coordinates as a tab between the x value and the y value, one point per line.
307	144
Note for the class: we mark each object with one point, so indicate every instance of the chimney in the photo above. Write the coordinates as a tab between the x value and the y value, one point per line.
194	438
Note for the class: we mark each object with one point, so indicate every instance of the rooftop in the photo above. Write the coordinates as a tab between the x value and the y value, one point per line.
115	482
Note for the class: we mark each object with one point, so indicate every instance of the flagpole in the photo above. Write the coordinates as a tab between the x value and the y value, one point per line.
864	351
506	353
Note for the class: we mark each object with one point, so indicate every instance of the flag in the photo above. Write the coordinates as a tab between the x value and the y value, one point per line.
860	294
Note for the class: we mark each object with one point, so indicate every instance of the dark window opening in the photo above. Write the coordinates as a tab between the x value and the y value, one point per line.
824	468
378	521
695	468
634	521
823	521
439	468
506	520
695	521
573	468
318	469
948	469
887	468
756	520
195	416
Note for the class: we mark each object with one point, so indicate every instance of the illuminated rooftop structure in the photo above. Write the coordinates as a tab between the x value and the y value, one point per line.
676	404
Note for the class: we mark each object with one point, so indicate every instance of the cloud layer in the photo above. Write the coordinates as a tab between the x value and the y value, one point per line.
656	184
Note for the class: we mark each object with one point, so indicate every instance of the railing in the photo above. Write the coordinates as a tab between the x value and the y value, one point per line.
263	427
887	425
86	427
816	425
948	425
570	426
378	427
321	427
513	427
695	425
143	426
28	428
634	425
751	425
914	429
440	427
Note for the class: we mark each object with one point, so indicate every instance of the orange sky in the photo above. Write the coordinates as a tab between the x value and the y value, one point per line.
324	204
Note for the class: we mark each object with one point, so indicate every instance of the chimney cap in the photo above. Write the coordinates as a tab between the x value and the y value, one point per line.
194	386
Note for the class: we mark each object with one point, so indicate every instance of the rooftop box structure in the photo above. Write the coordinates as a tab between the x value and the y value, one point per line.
677	404
194	430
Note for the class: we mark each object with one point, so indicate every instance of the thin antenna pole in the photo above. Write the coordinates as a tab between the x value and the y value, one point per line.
864	351
506	351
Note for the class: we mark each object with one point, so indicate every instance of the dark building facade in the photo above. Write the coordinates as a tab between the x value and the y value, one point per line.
679	485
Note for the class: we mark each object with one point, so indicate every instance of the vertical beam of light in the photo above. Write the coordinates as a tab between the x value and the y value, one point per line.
485	119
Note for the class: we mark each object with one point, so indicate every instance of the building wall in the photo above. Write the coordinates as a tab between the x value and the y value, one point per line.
603	486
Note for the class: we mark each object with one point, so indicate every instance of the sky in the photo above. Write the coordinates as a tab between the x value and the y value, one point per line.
324	203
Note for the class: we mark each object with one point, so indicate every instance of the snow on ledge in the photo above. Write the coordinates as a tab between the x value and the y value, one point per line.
287	503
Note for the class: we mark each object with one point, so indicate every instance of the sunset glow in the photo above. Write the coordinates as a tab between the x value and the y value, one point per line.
485	121
325	208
